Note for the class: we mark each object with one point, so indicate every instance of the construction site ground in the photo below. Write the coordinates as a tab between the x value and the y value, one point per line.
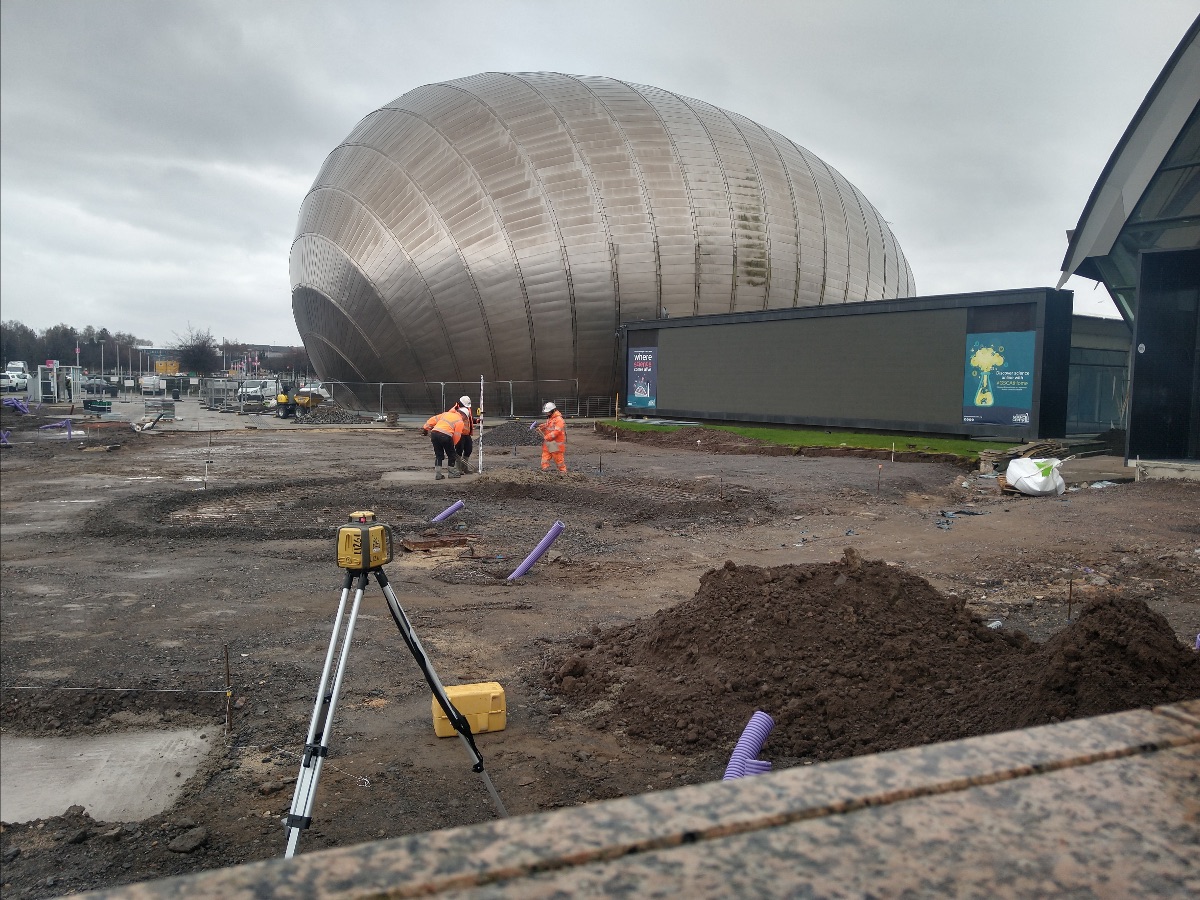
865	604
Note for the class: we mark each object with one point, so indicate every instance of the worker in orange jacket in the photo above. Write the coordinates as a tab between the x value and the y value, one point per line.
554	439
445	430
465	443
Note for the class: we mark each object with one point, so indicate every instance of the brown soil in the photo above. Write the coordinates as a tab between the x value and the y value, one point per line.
688	589
860	657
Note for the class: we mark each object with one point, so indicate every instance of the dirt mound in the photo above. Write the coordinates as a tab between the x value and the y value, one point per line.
858	657
1119	654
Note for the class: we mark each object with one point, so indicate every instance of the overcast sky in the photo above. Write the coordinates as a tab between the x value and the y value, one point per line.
153	155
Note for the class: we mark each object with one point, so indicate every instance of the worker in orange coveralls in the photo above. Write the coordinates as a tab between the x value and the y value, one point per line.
445	430
554	439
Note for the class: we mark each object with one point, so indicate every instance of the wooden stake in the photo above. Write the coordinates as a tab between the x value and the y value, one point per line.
878	479
228	696
1070	595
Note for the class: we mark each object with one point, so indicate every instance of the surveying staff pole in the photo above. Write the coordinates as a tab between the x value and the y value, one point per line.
479	458
317	745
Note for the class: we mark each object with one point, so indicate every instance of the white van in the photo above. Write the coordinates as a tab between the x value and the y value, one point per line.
261	389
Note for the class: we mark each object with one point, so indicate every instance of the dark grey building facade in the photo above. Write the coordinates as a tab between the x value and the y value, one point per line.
993	363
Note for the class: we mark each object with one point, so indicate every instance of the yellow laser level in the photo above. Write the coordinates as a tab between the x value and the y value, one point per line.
363	544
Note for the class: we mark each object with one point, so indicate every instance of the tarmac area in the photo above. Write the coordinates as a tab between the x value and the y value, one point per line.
865	604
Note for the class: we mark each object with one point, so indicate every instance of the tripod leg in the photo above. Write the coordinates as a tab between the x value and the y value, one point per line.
457	719
317	744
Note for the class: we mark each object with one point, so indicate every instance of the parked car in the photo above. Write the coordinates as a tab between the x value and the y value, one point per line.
15	381
316	387
94	384
258	389
7	382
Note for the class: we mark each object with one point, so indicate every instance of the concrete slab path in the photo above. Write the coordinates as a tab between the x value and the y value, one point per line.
121	777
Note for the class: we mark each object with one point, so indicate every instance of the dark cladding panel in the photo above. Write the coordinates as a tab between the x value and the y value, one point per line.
891	368
1164	409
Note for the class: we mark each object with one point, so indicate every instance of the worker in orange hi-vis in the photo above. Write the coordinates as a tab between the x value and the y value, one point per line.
445	430
465	443
554	439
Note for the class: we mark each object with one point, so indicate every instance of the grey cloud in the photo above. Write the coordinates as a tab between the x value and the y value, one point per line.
154	155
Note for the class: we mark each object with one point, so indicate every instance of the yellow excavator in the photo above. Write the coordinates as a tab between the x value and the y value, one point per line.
297	402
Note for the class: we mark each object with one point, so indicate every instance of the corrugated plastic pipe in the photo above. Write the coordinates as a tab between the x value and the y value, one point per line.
742	761
551	536
449	511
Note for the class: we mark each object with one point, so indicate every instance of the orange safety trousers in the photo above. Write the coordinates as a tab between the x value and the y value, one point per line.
559	457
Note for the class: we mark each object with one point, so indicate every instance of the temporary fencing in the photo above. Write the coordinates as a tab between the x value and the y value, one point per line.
501	398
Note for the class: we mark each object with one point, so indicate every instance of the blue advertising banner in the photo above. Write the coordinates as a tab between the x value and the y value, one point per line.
998	379
642	378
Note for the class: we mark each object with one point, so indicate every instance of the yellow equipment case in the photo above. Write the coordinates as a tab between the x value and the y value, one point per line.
482	705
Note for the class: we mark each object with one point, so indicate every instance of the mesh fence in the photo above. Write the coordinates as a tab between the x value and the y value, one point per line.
500	398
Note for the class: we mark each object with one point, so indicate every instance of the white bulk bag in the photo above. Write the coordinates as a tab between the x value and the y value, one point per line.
1036	477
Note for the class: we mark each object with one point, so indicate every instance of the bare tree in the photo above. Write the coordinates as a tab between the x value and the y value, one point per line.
198	351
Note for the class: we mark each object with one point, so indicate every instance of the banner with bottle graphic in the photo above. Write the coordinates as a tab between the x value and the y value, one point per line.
642	392
998	378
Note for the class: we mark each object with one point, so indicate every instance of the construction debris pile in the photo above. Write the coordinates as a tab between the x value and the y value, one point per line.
859	657
331	414
992	461
511	434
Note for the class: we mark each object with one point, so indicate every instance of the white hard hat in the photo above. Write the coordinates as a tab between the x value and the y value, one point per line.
464	400
549	407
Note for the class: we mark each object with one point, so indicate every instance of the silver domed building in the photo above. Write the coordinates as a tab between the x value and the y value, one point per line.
506	224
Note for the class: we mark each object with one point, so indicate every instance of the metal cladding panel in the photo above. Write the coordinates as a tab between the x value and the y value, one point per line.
505	224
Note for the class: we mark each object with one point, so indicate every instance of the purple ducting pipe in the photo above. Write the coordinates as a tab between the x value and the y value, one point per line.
742	761
448	512
65	423
551	536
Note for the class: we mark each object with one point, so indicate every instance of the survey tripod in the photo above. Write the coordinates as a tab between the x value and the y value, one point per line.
364	546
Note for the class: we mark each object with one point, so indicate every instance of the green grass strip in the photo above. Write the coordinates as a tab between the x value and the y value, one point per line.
820	437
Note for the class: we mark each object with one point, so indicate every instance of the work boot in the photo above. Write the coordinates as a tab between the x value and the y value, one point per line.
454	473
438	476
464	467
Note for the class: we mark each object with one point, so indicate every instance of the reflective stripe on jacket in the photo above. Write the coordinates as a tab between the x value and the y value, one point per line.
450	423
554	432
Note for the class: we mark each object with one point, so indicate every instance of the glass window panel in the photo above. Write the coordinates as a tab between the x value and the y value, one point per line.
1175	192
1187	145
